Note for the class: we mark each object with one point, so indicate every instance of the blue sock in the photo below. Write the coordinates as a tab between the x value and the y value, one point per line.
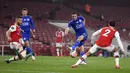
75	45
29	50
81	54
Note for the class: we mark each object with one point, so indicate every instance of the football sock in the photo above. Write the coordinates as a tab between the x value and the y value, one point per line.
75	45
29	50
81	59
116	55
58	53
81	54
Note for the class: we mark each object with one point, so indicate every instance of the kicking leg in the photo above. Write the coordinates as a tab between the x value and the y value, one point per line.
91	51
15	58
77	42
81	54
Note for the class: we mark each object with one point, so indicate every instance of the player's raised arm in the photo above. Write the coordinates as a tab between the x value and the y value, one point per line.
68	28
117	36
94	35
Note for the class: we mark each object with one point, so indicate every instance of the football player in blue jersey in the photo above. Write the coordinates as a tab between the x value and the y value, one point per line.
78	24
27	23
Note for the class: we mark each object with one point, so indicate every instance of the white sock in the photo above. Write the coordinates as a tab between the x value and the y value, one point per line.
116	55
78	62
58	53
117	61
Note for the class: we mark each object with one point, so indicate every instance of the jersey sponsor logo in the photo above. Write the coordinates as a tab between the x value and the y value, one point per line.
78	26
26	19
25	24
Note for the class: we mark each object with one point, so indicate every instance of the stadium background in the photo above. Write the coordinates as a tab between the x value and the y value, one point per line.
49	15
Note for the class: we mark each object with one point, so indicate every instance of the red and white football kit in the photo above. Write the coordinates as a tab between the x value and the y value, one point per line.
59	38
105	39
16	38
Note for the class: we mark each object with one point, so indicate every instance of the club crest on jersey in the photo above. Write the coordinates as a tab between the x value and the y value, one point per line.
28	19
24	19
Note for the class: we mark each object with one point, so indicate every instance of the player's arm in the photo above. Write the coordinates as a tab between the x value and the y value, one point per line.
83	19
8	33
68	28
94	35
32	33
117	36
21	30
32	24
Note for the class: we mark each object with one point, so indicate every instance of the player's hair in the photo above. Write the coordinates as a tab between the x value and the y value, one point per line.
18	17
75	13
24	9
112	23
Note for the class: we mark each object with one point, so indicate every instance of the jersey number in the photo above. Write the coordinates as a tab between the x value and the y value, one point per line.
107	31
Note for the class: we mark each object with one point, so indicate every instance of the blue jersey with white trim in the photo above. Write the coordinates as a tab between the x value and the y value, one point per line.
78	26
27	23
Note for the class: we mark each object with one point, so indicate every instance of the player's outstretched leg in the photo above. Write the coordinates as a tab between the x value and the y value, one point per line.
81	59
15	58
91	51
81	54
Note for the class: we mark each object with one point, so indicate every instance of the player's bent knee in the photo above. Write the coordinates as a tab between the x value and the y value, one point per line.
27	44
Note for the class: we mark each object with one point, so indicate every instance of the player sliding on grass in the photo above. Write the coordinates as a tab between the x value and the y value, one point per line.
78	24
15	39
104	41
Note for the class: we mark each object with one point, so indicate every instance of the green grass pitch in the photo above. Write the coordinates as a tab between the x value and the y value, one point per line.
49	64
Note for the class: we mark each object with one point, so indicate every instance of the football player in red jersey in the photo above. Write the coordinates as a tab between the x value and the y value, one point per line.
14	38
104	41
59	41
